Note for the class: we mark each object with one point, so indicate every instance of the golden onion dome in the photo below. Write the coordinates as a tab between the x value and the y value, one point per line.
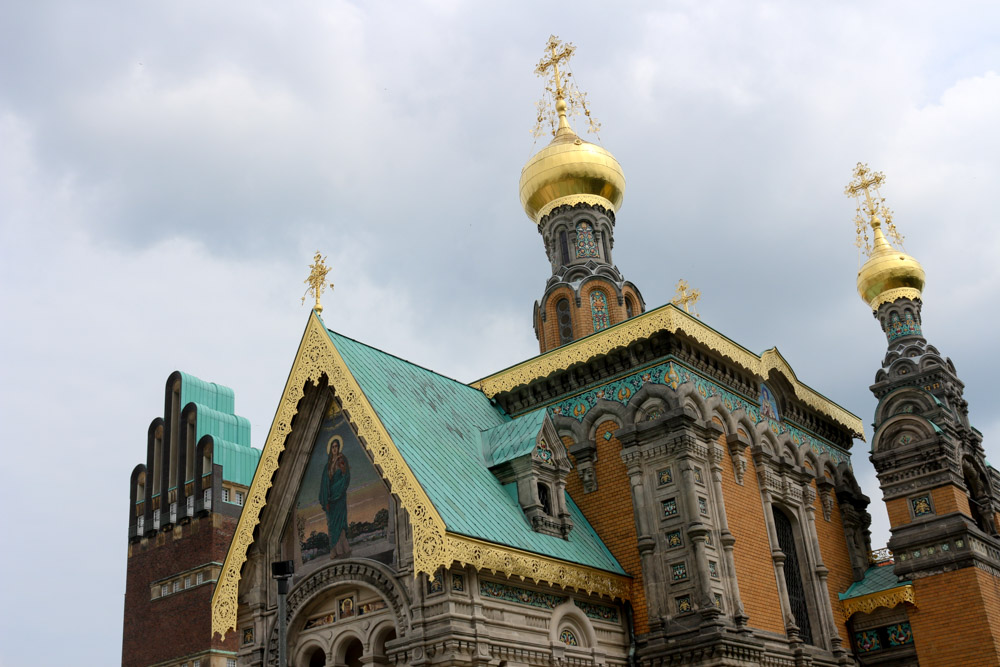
889	274
570	171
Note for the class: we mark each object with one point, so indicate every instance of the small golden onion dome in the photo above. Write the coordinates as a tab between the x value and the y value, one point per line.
569	171
889	274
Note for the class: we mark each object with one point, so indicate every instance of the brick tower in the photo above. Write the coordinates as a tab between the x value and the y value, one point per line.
571	190
940	493
184	503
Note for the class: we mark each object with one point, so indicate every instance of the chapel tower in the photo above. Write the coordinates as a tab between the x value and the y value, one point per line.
940	493
571	190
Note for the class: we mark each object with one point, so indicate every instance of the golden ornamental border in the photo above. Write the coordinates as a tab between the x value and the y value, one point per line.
872	601
891	295
433	548
673	319
573	200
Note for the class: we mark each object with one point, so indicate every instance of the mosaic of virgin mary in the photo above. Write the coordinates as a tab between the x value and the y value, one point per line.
333	497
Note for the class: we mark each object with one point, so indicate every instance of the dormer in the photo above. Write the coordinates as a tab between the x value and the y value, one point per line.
529	459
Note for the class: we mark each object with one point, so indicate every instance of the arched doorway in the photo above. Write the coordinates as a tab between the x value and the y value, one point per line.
353	652
314	658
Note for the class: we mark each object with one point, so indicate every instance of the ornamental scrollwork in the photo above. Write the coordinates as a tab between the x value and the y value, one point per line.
872	601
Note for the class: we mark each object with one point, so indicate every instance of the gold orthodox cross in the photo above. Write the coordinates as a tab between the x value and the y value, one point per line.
568	98
684	298
317	280
556	56
867	182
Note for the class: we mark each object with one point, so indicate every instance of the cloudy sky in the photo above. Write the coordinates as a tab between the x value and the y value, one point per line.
167	170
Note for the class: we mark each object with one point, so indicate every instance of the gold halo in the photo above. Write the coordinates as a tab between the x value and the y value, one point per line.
330	442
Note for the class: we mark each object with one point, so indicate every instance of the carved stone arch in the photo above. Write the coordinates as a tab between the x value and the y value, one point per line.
929	361
716	408
688	397
606	282
382	632
789	449
568	613
901	430
567	426
905	400
341	641
603	411
308	647
766	441
348	572
809	456
561	292
901	368
634	409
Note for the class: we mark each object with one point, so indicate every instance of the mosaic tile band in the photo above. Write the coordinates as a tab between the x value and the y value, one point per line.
673	374
902	327
508	593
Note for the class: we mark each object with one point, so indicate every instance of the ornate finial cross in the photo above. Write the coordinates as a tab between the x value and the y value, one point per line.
568	99
683	298
867	182
317	280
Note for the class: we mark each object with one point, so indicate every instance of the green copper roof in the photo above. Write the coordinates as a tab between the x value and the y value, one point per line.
436	423
216	416
512	438
877	578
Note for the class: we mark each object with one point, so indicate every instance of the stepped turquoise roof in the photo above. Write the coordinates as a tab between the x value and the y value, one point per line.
877	578
438	426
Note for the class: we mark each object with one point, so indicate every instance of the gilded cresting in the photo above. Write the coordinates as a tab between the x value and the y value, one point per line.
569	170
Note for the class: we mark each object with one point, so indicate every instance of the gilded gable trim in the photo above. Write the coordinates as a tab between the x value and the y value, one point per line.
888	598
432	547
672	319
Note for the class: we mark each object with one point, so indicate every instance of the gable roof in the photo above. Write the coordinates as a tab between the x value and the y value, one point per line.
513	438
880	587
436	423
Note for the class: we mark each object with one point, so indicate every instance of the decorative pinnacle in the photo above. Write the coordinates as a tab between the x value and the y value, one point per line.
683	298
317	280
564	98
867	182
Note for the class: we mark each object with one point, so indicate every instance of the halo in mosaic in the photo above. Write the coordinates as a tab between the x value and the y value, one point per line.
684	604
586	244
679	571
907	326
669	507
600	612
568	638
673	374
921	505
899	634
674	539
867	641
499	591
599	310
665	476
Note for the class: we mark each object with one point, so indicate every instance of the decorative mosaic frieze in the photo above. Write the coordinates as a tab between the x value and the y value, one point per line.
599	310
867	641
673	374
907	326
598	611
586	244
507	593
674	539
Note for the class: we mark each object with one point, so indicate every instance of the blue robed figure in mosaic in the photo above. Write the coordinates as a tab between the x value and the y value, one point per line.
333	497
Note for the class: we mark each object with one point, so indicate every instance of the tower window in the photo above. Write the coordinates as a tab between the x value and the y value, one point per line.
544	499
604	244
225	495
563	247
565	321
629	308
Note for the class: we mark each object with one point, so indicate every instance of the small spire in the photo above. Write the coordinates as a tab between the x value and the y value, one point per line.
317	280
684	298
867	182
568	99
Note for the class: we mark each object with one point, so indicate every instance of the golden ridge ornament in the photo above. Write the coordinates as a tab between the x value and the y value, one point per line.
685	298
317	280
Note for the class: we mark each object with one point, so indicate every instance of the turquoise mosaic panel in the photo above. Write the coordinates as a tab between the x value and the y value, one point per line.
907	326
599	310
921	505
867	641
672	374
586	245
899	634
498	591
599	611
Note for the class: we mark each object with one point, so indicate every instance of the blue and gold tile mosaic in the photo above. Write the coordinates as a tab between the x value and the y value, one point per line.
457	582
568	638
702	506
678	571
921	505
867	641
598	611
508	593
669	507
673	374
586	245
899	634
684	604
907	326
665	476
713	569
674	539
599	310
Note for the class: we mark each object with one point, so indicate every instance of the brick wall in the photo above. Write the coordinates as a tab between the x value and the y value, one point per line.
179	623
951	619
610	511
752	552
833	547
947	499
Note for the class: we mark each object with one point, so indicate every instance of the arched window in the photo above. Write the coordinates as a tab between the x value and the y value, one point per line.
544	498
563	247
352	656
565	321
599	310
586	246
793	574
629	307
